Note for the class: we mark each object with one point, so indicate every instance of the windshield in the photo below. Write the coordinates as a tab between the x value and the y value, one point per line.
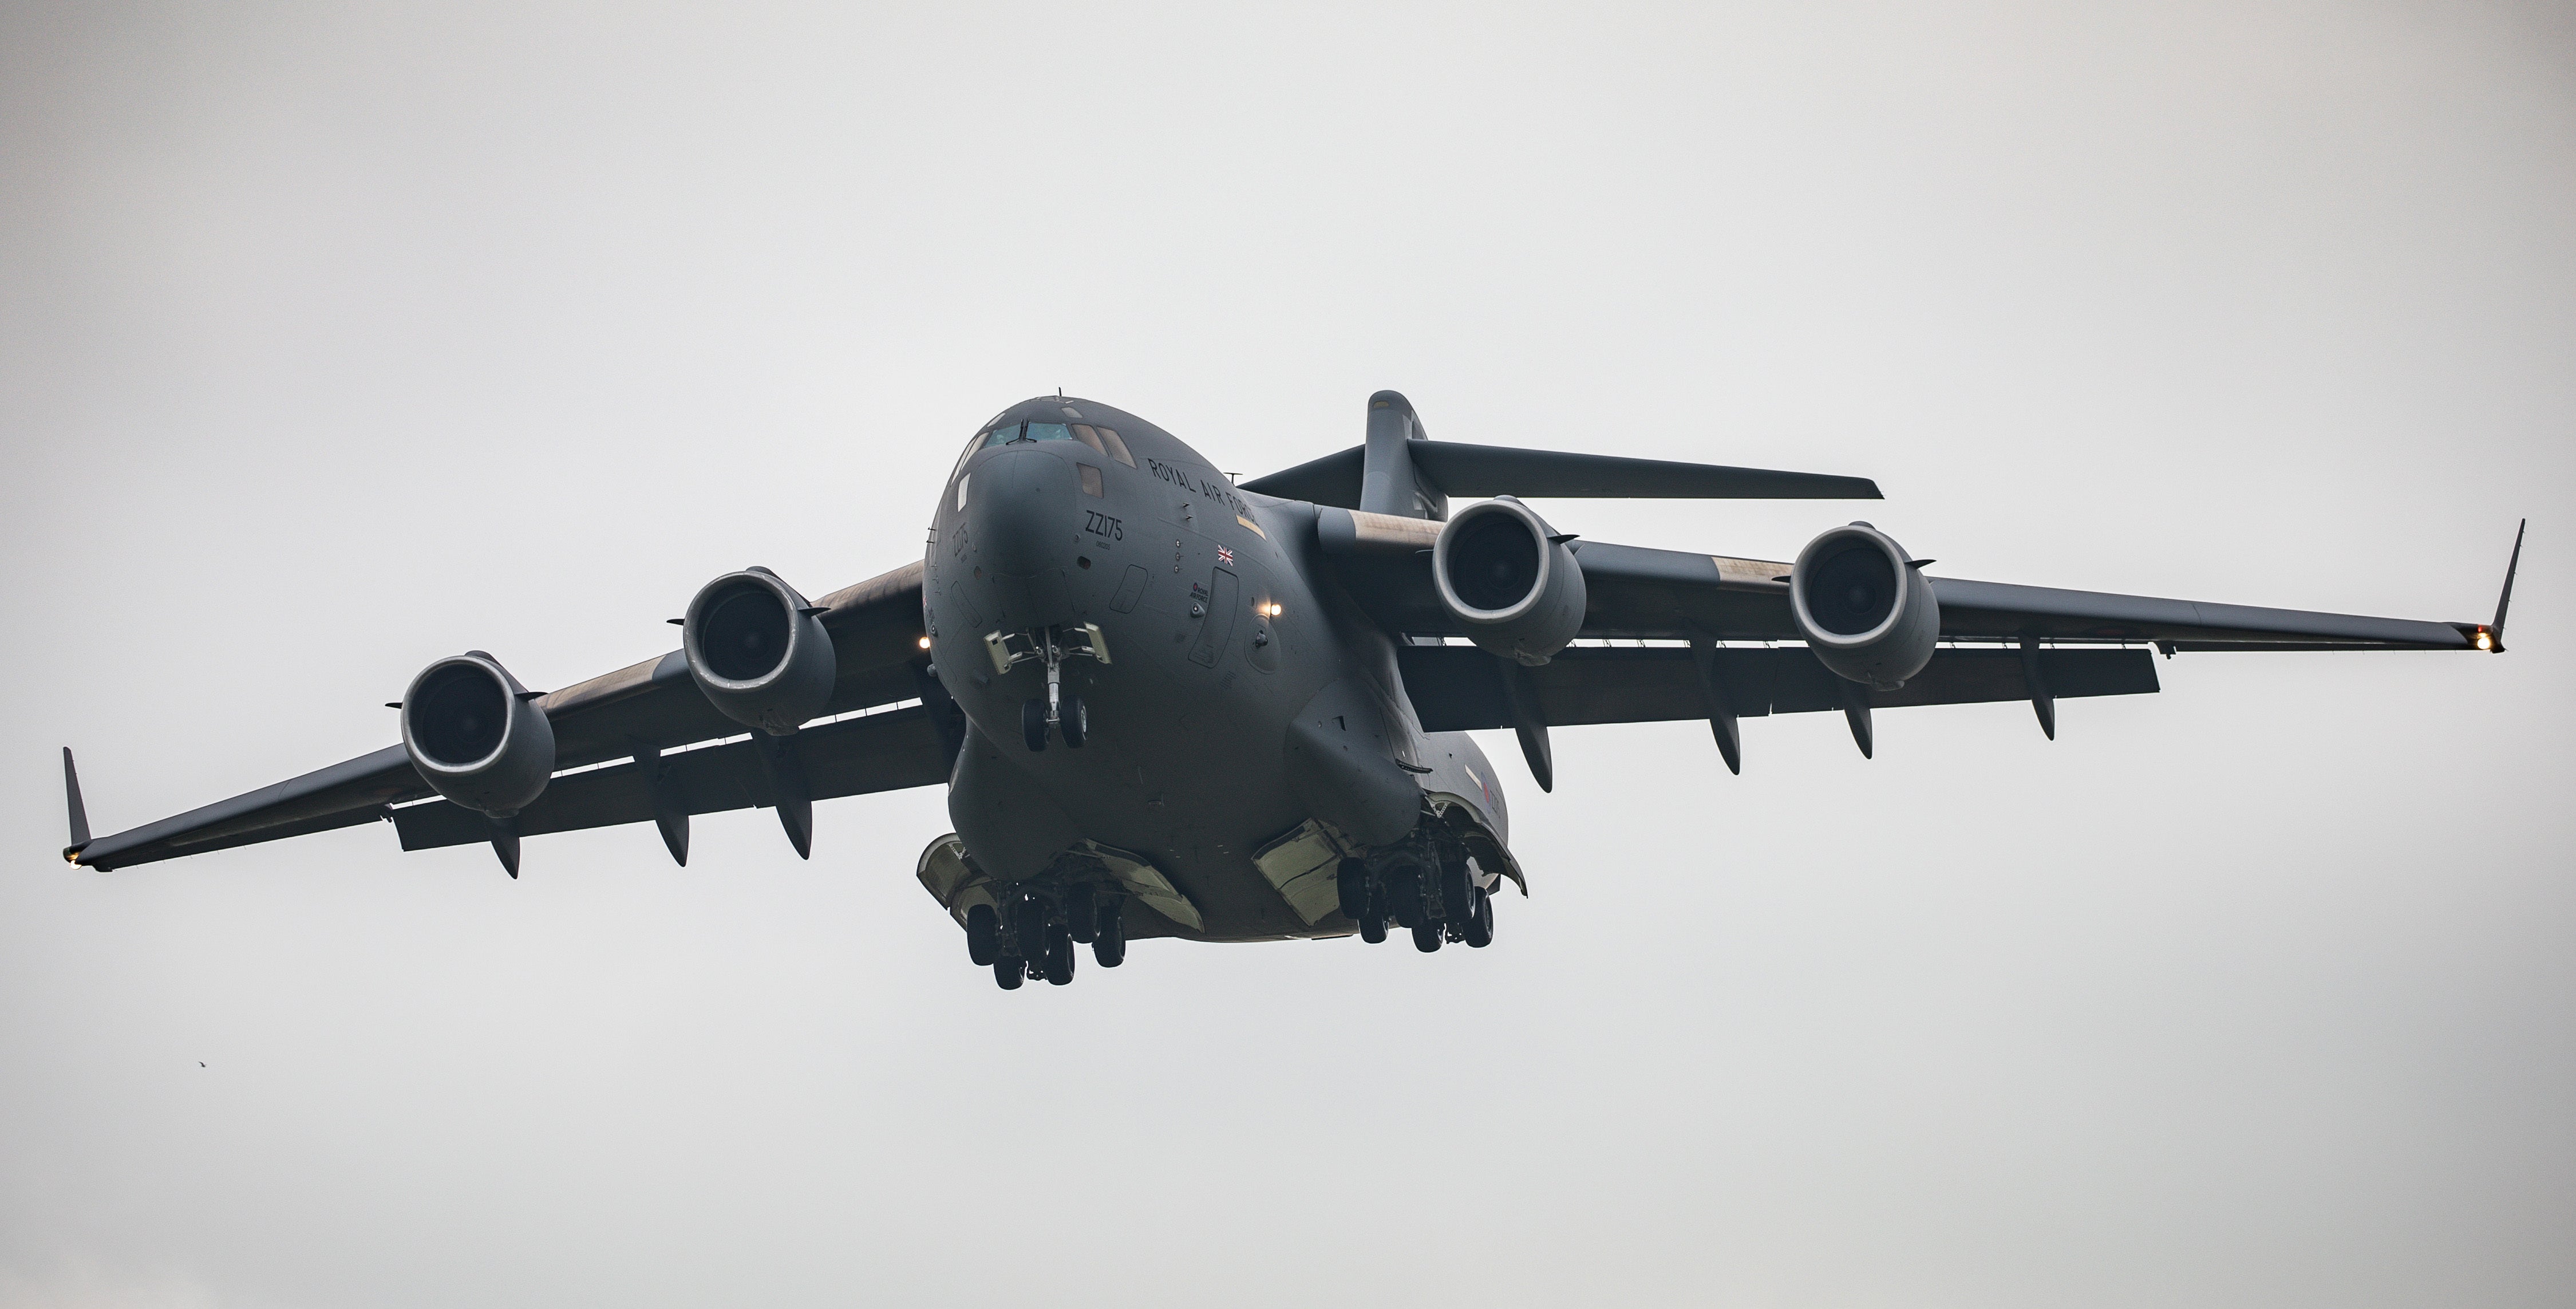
1100	439
1009	432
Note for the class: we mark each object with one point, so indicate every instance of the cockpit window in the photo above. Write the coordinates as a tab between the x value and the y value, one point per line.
1104	441
1098	438
1009	433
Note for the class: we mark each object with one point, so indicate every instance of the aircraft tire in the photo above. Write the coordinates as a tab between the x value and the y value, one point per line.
1080	916
983	935
1109	942
1059	956
1032	925
1457	894
1373	918
1008	973
1350	880
1074	720
1480	922
1033	727
1426	937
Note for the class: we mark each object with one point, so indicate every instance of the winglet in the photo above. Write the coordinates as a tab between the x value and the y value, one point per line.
2505	599
79	812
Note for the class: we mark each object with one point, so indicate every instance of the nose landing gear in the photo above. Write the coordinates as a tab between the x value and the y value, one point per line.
1062	713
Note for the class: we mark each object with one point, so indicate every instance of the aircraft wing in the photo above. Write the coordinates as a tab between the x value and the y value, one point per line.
626	720
1648	593
1702	612
1634	592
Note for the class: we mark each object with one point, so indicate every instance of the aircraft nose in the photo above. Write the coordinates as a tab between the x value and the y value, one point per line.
1019	511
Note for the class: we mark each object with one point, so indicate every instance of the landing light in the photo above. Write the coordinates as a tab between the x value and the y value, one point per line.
2485	642
925	643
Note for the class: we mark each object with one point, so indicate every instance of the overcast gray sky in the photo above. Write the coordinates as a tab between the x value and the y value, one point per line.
333	341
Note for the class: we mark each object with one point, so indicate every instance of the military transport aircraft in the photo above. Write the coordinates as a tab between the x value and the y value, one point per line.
1261	691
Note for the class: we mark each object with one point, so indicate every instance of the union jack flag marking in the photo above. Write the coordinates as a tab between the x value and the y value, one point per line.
1224	556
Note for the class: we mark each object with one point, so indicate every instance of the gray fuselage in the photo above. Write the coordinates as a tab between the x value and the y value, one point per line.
1223	624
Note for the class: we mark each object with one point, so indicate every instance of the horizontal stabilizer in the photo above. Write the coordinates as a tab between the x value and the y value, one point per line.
1482	470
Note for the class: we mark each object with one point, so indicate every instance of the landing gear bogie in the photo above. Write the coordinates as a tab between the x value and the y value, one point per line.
1039	932
1429	889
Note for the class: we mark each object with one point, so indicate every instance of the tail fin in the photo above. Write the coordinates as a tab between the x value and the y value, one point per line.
79	812
1390	482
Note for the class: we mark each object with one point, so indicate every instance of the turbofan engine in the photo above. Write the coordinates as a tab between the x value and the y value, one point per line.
758	651
1863	606
1509	578
474	737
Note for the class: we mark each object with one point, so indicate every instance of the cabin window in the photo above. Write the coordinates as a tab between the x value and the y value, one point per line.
1090	478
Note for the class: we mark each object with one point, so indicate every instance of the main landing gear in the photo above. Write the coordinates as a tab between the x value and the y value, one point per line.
1058	712
1032	935
1431	892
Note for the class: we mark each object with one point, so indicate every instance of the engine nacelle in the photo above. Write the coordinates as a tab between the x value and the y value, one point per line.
1863	607
1507	576
758	651
474	737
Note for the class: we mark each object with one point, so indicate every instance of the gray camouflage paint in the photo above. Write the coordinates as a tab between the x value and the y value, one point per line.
1240	697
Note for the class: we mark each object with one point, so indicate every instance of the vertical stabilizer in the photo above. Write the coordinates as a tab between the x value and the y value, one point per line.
1390	483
